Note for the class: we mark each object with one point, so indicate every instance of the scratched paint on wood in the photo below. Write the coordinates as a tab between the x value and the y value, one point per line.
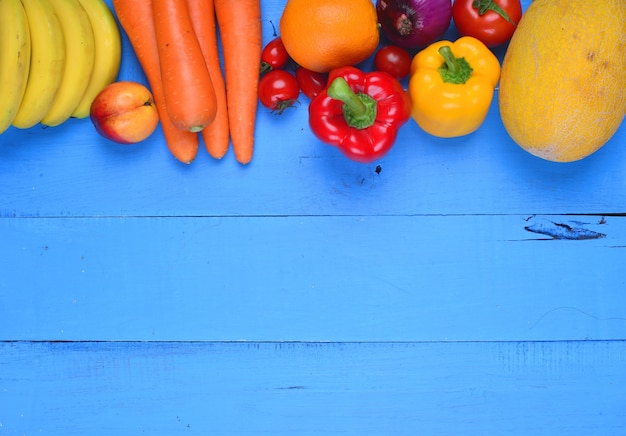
566	229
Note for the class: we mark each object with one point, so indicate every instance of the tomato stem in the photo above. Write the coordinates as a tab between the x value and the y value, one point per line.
265	67
490	5
282	105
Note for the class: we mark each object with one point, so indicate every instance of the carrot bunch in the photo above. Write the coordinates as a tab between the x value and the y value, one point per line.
176	44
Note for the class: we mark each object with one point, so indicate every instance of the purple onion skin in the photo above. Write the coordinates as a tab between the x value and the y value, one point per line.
414	23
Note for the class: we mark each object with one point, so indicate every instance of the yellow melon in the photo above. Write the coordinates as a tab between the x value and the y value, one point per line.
562	91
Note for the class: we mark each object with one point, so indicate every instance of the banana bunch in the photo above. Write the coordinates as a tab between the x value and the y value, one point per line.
55	57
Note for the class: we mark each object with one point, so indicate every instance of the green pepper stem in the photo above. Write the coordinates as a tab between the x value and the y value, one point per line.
489	5
454	70
359	110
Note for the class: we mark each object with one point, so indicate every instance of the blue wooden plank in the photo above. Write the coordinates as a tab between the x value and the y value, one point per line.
68	171
478	388
378	278
71	171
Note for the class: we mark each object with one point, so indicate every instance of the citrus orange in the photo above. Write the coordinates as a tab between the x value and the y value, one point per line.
324	34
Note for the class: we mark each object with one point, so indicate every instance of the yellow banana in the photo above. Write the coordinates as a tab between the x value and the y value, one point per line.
47	62
14	59
108	53
79	60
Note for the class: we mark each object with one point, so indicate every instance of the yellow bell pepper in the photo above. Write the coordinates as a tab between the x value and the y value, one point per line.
451	86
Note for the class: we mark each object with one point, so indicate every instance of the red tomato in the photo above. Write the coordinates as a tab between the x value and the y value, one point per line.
393	60
278	90
274	55
486	20
311	83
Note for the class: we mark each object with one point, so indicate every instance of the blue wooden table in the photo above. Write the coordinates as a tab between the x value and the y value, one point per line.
457	286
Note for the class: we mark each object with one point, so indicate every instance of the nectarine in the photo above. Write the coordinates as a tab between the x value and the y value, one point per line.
124	112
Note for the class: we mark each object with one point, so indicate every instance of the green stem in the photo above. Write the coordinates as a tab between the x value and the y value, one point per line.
454	70
490	5
359	110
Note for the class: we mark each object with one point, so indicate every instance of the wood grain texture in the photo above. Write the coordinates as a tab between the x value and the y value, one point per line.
479	388
336	278
71	171
455	287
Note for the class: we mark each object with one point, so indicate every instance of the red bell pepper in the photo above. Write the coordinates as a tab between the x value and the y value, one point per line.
360	113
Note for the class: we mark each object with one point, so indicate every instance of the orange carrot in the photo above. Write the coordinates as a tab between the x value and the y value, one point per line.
135	18
187	84
215	135
239	24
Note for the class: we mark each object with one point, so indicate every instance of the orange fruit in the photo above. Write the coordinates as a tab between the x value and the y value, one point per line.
324	34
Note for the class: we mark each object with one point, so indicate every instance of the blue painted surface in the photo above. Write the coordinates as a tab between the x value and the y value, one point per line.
464	287
510	388
355	278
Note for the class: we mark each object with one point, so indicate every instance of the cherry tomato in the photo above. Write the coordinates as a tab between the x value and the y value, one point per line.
310	82
490	21
393	60
278	90
274	55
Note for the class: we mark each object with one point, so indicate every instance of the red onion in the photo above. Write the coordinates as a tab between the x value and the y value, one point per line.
414	23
